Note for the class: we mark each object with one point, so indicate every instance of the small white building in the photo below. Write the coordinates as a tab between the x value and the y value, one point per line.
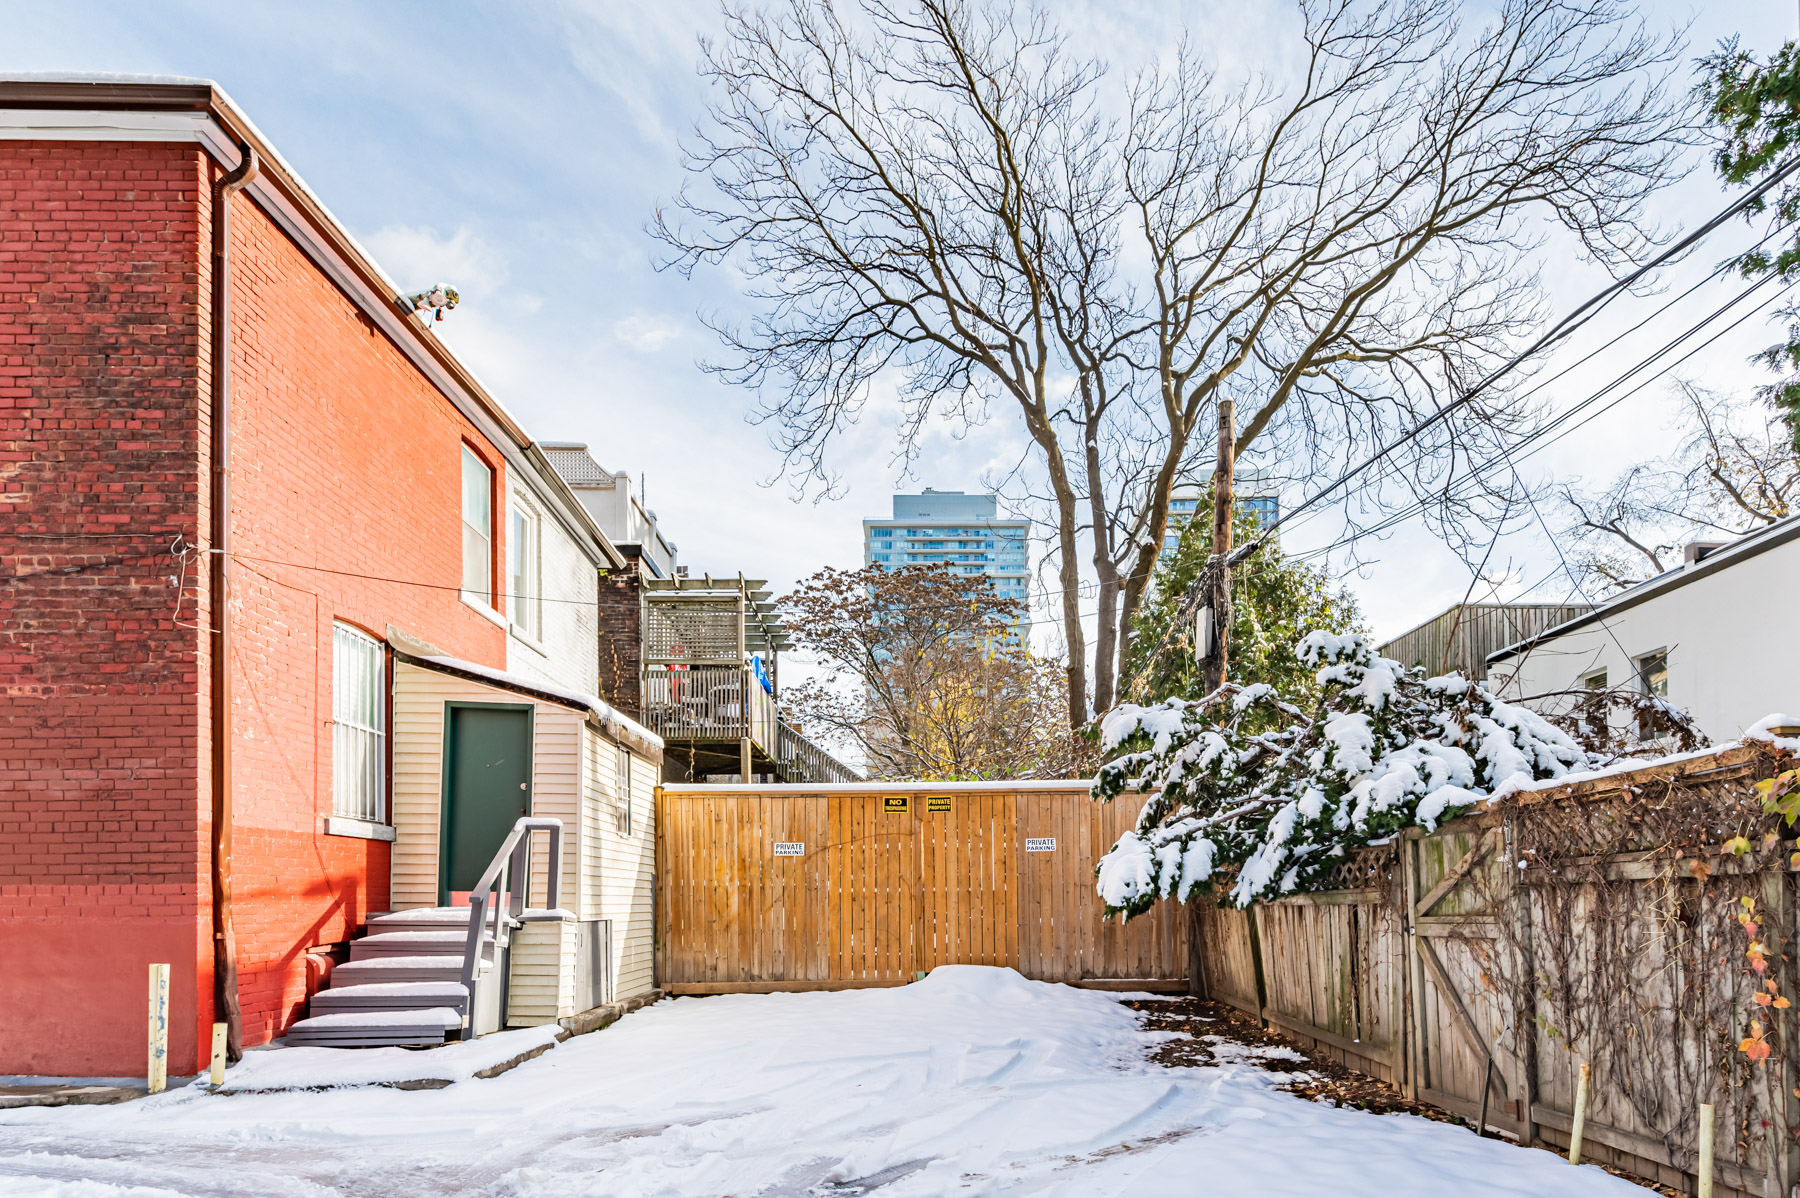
1717	637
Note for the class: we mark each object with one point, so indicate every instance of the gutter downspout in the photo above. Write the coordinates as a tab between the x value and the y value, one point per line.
225	987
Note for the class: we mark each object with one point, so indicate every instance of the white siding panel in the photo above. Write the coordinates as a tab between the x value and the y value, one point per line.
627	878
542	987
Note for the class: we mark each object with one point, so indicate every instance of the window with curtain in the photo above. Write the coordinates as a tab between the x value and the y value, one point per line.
478	527
359	725
524	592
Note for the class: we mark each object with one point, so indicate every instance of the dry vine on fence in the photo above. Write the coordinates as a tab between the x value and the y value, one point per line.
1647	935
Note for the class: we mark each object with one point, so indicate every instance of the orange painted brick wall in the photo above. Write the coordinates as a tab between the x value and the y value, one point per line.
346	505
347	496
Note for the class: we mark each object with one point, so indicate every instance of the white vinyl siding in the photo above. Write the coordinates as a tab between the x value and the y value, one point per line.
619	871
578	775
359	725
478	527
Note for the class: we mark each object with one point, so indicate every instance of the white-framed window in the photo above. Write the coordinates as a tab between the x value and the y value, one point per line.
622	779
359	725
478	527
525	596
1595	681
1653	681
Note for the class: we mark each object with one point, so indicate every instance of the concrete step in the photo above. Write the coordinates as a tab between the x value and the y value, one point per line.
376	1029
390	996
420	919
451	942
438	968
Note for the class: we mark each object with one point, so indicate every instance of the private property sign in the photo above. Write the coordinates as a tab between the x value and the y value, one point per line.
790	848
1040	844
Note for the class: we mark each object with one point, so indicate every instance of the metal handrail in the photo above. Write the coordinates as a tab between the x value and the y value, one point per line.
513	861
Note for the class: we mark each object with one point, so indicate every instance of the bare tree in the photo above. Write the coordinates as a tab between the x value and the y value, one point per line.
946	193
1735	470
927	677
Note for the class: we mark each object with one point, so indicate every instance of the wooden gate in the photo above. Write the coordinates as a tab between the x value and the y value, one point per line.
766	888
1435	962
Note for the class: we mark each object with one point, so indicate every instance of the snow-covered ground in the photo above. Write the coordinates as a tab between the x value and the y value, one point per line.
974	1081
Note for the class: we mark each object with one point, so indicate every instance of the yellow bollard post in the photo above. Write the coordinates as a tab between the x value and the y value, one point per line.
1581	1097
1706	1150
218	1055
159	1029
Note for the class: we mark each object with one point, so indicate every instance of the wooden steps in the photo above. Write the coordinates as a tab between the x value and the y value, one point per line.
402	986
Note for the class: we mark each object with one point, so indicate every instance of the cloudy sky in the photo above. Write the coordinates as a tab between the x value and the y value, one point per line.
516	151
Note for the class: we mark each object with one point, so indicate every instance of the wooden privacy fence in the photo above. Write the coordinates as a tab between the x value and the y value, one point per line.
765	888
1616	945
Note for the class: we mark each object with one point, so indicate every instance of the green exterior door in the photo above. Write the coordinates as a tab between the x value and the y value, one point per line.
487	787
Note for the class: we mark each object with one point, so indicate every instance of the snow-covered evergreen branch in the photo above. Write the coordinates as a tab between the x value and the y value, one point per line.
1271	812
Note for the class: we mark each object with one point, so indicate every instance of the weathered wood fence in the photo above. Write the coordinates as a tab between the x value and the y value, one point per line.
1616	944
765	888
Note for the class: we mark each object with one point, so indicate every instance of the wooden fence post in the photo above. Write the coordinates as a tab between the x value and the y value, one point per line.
1413	976
158	1072
1580	1121
1196	961
1705	1189
1524	1022
1253	916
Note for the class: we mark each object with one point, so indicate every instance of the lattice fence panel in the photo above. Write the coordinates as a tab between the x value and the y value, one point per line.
691	631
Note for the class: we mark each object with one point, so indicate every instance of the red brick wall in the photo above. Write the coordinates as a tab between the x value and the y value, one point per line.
346	505
100	348
621	636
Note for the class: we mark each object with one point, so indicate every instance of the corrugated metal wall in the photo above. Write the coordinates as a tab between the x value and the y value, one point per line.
1462	637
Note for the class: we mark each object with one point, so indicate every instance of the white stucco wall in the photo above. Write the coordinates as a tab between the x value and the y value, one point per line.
567	654
1732	636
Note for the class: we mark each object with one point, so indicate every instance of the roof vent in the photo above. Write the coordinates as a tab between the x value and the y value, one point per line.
1697	550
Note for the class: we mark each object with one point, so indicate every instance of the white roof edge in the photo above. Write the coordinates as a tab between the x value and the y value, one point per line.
605	711
1750	544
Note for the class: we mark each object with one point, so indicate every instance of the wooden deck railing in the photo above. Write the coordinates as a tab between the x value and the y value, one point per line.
707	703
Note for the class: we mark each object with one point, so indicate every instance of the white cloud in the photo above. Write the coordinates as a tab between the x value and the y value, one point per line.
417	257
647	332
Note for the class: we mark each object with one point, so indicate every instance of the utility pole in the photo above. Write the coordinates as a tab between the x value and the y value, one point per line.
1218	603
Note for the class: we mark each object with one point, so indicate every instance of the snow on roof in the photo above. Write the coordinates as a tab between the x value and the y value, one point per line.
605	711
107	77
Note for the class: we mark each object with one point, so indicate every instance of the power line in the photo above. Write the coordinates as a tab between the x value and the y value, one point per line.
1558	428
1564	328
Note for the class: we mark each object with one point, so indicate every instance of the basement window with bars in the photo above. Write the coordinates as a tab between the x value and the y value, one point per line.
359	726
